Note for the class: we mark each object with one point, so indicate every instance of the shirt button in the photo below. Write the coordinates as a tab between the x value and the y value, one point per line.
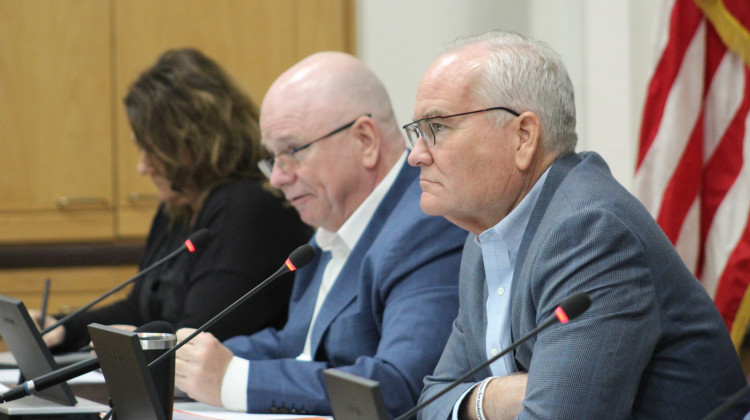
494	352
500	291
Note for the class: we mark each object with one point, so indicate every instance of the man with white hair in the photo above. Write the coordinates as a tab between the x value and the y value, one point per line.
495	140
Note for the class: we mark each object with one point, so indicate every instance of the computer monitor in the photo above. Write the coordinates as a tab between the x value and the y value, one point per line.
353	397
130	384
25	343
34	359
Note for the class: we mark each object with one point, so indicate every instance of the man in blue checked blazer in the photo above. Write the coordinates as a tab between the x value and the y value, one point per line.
495	139
379	298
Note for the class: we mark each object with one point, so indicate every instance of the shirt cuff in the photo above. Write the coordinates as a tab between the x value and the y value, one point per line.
456	407
234	385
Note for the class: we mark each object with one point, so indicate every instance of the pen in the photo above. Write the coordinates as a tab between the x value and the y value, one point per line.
45	298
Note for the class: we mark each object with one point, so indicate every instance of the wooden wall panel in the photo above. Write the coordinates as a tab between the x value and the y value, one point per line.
70	288
54	110
65	66
324	25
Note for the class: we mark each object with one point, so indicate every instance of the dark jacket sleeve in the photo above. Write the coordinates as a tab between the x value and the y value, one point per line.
253	231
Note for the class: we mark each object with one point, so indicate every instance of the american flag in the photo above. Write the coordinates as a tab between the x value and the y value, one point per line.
693	168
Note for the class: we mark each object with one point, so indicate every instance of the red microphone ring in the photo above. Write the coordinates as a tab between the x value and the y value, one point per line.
561	315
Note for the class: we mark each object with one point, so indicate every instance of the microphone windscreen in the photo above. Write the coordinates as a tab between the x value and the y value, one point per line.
156	327
301	256
575	305
200	237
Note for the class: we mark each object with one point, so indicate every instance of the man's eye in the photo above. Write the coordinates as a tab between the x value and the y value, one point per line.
437	127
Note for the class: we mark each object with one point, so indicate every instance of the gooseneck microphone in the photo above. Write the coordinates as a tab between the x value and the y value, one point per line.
77	369
571	308
297	259
196	241
729	403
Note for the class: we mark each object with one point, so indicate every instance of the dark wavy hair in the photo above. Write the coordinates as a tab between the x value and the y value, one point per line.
195	125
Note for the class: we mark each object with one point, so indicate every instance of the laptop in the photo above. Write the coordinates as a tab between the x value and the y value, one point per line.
131	386
34	359
354	397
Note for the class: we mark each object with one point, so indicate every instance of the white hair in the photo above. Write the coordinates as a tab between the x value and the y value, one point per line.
526	75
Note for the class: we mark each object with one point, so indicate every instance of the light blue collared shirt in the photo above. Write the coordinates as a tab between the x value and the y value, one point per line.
500	245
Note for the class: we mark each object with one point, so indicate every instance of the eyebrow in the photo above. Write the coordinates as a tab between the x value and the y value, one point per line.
429	114
285	144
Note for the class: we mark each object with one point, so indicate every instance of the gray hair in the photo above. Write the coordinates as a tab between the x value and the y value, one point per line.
526	75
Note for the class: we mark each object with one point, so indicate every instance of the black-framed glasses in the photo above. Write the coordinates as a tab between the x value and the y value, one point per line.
419	128
289	158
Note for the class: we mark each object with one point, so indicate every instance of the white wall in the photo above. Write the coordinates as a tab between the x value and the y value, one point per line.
606	44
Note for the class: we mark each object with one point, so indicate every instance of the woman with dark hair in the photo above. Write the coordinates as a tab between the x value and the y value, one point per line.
198	139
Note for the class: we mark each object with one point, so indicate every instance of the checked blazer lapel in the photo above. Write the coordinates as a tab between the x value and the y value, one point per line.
346	287
305	292
557	172
473	279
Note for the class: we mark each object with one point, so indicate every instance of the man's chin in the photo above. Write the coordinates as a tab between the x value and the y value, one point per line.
309	217
430	206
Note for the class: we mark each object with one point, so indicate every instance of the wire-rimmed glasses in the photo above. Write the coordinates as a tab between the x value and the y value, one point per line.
426	128
289	158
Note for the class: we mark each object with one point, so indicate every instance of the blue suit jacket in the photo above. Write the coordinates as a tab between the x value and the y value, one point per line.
387	317
652	345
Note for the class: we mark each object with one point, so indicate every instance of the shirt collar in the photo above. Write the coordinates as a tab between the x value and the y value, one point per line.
511	228
348	234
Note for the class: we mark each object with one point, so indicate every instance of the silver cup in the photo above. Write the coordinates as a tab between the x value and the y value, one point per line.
154	345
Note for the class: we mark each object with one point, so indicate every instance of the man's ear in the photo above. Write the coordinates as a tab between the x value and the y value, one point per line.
528	132
369	141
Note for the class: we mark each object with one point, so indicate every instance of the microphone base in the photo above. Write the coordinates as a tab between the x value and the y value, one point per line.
36	408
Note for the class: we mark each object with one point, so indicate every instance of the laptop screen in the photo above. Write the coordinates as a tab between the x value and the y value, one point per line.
129	382
32	355
354	397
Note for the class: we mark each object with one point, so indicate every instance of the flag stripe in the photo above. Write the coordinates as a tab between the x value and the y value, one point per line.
734	281
681	111
691	172
725	164
683	186
732	213
683	20
725	144
688	244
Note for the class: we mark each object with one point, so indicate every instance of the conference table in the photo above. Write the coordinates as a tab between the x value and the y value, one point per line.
91	386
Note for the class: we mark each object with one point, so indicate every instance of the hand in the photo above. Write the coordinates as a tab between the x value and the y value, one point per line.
53	337
503	398
200	366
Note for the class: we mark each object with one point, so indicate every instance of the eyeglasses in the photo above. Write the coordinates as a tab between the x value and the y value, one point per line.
289	159
417	129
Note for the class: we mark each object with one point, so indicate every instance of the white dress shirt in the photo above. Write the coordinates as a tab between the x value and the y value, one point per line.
340	243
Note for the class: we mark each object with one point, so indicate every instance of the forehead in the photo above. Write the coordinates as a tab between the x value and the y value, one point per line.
288	125
280	129
446	86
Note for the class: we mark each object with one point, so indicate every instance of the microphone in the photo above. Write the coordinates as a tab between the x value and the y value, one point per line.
729	403
197	240
571	307
297	259
77	369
